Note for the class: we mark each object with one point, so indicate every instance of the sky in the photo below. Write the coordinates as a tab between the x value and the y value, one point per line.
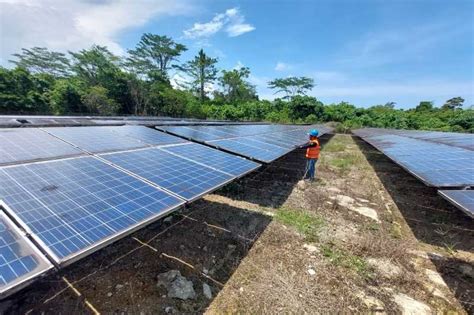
365	52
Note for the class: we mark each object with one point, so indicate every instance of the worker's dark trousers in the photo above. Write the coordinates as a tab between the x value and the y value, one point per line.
310	168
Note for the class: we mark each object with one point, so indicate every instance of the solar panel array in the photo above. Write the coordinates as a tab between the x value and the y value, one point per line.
92	185
463	199
27	144
264	143
73	205
20	261
435	163
439	159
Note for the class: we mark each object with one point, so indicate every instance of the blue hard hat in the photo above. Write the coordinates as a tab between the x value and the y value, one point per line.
314	132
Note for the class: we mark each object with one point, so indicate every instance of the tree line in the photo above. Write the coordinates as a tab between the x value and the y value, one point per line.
95	81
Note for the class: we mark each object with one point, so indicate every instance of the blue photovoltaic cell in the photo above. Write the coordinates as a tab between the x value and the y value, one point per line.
435	163
19	260
95	139
463	199
243	147
31	144
189	133
182	177
75	204
225	162
146	135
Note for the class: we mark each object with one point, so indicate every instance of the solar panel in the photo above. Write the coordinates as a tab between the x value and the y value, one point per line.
221	161
434	163
20	260
249	149
146	135
31	144
95	139
188	133
75	206
463	199
184	178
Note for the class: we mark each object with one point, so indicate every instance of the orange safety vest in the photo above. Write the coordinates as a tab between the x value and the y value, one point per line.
313	152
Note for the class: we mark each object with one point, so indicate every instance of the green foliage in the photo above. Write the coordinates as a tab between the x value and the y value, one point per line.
41	60
202	71
154	55
98	102
65	98
292	86
234	87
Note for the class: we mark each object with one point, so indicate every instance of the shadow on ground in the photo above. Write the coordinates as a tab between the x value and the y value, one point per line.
271	185
459	276
205	242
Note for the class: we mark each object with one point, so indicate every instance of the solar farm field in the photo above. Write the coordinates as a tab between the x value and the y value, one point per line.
170	222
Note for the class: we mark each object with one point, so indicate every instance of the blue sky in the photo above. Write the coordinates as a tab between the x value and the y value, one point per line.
365	52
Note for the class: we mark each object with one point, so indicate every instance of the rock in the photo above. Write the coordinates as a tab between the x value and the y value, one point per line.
435	277
368	212
181	288
363	200
170	310
206	290
118	286
410	306
334	189
384	267
168	219
348	202
372	303
310	248
177	285
434	291
182	247
466	270
109	294
311	272
164	279
435	256
205	271
301	185
241	289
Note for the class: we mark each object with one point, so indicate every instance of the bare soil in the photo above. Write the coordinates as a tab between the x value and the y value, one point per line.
270	243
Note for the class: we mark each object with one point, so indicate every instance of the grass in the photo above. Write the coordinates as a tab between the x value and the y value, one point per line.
345	162
306	224
333	146
344	259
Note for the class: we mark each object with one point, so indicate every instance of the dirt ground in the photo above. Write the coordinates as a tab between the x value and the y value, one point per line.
366	236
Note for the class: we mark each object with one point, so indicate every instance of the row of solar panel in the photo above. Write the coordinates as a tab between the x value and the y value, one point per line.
428	156
436	164
73	206
461	140
263	143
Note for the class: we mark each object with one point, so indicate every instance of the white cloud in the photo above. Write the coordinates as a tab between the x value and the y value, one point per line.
232	22
281	66
64	25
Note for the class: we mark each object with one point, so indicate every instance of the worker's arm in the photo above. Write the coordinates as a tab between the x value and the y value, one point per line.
308	144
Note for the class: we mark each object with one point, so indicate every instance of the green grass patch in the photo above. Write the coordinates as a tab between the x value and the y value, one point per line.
334	146
341	258
346	161
305	223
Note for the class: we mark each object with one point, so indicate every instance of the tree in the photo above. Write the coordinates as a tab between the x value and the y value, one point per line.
41	60
95	66
98	102
65	97
453	103
202	71
302	106
154	55
424	106
292	86
235	87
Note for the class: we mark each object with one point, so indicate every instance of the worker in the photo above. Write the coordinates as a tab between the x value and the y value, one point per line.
312	154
